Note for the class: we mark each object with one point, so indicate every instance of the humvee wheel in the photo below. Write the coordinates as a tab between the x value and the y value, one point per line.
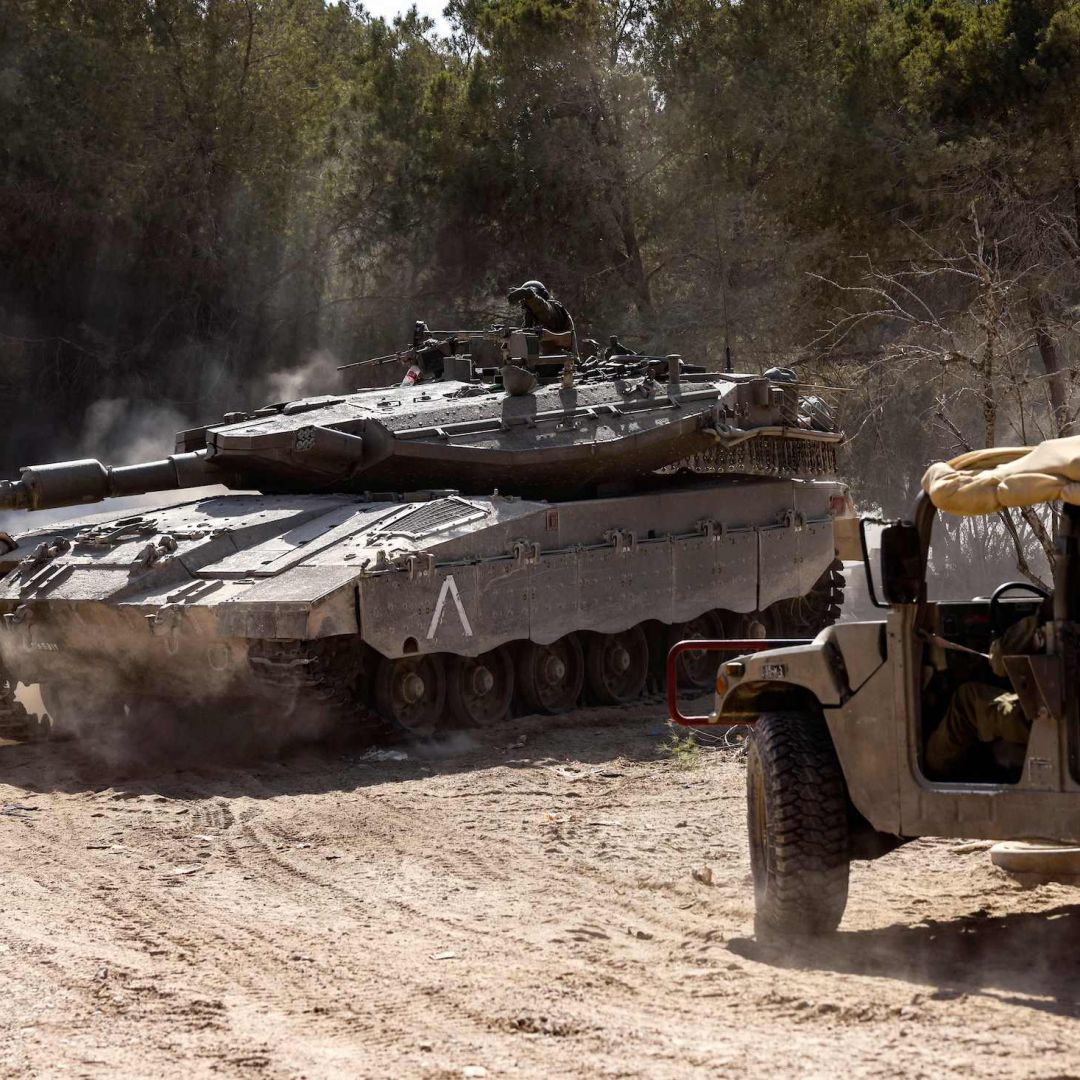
797	818
411	692
479	689
616	665
550	677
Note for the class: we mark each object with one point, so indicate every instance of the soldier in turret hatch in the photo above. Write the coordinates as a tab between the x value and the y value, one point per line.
541	310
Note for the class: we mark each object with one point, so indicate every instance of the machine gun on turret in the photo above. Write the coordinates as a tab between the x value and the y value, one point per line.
466	355
423	359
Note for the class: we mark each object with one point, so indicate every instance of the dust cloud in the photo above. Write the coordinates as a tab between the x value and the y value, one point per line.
119	732
126	431
120	431
316	375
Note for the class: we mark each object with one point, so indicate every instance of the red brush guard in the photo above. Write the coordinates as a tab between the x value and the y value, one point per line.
735	647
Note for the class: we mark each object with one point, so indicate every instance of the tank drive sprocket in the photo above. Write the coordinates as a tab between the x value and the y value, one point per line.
809	614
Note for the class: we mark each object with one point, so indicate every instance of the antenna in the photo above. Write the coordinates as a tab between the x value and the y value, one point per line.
721	270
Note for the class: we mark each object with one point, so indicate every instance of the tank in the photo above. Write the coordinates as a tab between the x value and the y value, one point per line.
476	542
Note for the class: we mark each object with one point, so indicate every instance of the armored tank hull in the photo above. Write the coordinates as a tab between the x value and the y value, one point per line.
421	612
563	536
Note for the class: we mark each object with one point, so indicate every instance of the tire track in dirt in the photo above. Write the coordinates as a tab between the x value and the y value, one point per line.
552	881
279	871
96	963
294	867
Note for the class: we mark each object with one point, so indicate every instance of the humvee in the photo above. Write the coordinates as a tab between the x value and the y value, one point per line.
836	763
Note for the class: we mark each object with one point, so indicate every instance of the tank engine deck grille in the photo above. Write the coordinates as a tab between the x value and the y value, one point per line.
416	523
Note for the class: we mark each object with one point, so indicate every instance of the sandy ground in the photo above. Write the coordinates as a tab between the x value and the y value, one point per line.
522	905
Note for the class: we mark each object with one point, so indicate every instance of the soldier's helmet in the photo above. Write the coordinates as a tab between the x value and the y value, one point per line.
539	288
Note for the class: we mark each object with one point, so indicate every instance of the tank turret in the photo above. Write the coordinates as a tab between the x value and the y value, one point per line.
556	440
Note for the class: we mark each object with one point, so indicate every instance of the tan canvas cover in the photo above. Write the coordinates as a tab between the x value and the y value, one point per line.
986	480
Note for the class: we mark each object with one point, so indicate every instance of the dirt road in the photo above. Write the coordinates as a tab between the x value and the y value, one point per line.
523	906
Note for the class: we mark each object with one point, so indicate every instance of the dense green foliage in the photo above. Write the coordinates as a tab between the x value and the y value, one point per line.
194	193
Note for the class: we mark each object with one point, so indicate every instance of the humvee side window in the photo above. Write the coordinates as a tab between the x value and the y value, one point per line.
973	725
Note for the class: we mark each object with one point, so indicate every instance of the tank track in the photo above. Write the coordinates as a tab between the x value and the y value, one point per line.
765	455
327	681
324	679
834	582
332	678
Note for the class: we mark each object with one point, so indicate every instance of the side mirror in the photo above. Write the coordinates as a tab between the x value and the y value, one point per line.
902	570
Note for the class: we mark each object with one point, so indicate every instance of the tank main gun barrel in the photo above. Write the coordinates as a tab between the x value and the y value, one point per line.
70	483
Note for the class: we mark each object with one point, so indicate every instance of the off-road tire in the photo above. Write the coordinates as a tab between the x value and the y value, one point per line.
797	819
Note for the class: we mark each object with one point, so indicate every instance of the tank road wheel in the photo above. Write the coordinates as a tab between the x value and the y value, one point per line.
479	689
797	818
550	677
697	670
616	665
411	692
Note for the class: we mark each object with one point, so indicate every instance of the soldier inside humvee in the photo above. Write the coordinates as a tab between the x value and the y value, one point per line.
985	729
